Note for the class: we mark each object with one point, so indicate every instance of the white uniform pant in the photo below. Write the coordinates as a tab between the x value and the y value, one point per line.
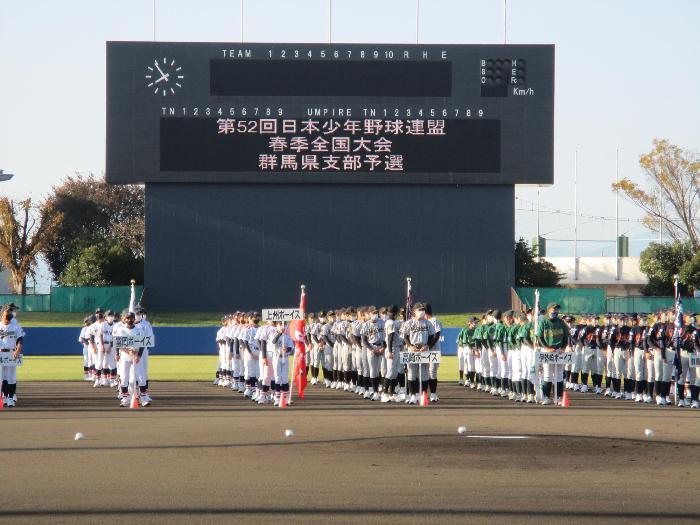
266	372
9	374
461	357
346	358
130	372
588	358
494	367
469	359
363	362
251	366
553	373
516	365
392	363
619	363
280	367
236	365
375	362
86	356
415	374
599	363
640	365
224	357
664	370
577	364
610	362
316	356
502	357
327	357
485	362
687	372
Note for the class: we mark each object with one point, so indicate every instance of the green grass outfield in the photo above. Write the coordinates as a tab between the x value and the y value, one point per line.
50	319
160	368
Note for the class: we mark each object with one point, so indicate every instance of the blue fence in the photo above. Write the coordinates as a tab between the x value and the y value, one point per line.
170	340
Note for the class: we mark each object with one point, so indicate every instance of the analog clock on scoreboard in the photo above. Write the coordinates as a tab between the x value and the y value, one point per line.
333	113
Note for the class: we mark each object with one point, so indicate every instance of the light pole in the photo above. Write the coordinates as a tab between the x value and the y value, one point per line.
5	176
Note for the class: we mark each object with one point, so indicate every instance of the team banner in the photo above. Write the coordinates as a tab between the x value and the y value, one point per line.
127	341
553	358
6	359
284	315
414	358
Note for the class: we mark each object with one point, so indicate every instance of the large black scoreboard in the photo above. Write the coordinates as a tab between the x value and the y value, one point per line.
346	167
335	113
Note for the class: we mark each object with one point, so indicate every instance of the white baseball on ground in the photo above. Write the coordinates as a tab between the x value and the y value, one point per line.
462	430
289	432
648	432
79	436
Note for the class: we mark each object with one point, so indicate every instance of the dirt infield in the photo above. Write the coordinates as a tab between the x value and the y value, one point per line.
200	454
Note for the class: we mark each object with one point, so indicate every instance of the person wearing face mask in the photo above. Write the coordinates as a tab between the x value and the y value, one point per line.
419	336
128	354
325	346
345	349
251	354
392	354
352	331
656	338
142	320
314	325
101	371
637	351
11	346
433	367
527	357
223	375
552	335
280	345
590	364
104	345
83	338
374	343
683	343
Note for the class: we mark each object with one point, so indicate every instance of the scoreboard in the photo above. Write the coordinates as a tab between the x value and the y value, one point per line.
329	113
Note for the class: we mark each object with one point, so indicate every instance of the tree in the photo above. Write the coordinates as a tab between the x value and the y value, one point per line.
96	213
660	262
25	231
671	203
530	272
101	265
689	274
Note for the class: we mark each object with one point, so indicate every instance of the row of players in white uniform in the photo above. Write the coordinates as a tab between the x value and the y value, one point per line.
107	365
357	349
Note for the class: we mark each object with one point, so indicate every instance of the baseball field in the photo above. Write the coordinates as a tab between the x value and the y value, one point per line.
202	454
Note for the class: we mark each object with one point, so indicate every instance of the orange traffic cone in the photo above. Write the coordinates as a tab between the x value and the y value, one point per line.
424	399
134	401
565	400
2	402
283	399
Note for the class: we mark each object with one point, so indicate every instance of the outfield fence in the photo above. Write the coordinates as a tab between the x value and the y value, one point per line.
74	299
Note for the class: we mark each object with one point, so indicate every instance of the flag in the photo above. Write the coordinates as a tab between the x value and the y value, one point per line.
409	299
297	334
678	322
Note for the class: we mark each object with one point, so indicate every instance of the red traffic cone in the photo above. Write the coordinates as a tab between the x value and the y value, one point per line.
283	399
565	400
134	401
2	402
424	399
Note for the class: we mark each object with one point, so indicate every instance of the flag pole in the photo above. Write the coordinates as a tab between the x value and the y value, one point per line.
405	318
536	351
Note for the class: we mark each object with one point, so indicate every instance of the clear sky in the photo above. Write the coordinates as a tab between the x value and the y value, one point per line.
626	71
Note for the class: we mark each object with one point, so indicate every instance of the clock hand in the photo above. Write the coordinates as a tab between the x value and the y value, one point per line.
158	68
164	77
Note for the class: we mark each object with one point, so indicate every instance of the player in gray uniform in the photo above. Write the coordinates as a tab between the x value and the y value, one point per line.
419	336
433	368
11	345
280	345
355	333
374	343
325	345
313	330
391	354
401	374
345	349
336	382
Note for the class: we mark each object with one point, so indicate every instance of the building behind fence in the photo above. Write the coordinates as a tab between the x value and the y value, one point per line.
74	299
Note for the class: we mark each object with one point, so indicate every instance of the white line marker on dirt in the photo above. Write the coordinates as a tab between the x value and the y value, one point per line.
499	437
